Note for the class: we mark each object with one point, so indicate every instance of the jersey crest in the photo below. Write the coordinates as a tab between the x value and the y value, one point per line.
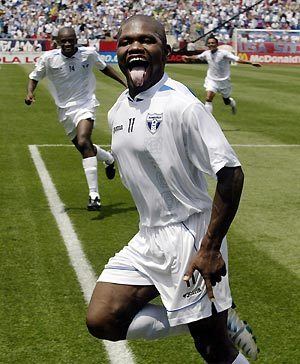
153	122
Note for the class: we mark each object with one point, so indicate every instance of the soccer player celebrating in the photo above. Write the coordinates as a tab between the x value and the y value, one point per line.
72	85
218	73
164	141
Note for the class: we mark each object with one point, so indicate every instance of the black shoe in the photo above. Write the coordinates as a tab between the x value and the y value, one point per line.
94	204
110	170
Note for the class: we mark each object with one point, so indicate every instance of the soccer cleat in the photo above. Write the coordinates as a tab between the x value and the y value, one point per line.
94	204
241	335
233	106
110	170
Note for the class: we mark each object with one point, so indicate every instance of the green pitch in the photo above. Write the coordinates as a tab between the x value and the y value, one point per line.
42	304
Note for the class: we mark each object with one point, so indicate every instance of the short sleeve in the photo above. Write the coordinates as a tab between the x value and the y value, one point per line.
206	145
201	55
99	63
231	56
39	71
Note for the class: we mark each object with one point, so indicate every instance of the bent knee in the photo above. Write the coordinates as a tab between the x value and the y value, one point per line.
84	143
107	326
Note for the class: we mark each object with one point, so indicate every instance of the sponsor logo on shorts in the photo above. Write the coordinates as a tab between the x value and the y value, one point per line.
117	128
191	293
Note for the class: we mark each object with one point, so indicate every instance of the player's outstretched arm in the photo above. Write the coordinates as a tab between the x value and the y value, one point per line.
29	99
109	71
208	260
188	59
251	63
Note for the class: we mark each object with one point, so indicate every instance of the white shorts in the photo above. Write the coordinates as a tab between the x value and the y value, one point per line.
223	87
160	257
71	116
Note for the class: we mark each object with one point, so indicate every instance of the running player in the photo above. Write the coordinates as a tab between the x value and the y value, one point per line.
72	85
164	141
218	73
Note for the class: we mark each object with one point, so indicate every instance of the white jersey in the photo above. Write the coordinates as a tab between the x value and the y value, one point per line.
218	63
163	141
72	81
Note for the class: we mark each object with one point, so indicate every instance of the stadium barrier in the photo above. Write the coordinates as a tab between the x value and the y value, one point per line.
27	51
267	46
264	46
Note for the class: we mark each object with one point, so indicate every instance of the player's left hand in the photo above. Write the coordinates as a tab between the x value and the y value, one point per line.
29	99
211	265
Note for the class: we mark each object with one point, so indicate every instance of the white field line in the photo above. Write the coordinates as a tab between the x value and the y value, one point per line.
66	145
266	145
233	145
118	352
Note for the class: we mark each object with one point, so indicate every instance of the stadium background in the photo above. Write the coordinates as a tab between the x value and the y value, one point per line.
29	27
43	296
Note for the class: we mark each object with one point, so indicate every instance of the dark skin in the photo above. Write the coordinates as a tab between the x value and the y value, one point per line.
212	45
67	40
140	39
113	306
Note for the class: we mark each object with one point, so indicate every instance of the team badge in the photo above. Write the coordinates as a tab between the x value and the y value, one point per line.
153	122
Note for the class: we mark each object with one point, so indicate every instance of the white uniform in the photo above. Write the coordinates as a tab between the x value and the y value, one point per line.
163	141
71	82
218	73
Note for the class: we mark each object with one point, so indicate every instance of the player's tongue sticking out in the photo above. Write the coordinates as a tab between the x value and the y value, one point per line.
137	74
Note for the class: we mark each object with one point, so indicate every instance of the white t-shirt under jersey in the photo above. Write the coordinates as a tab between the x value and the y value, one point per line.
218	63
72	81
163	141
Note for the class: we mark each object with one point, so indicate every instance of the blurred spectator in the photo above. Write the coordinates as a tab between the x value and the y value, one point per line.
183	19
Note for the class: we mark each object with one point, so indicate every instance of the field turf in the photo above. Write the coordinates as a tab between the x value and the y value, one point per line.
43	308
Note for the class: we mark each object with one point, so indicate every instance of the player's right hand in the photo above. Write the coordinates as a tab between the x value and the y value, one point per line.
185	58
29	99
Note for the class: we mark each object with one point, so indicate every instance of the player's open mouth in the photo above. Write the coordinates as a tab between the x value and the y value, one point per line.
137	67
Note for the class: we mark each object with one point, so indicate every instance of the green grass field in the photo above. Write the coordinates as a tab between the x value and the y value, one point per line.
42	305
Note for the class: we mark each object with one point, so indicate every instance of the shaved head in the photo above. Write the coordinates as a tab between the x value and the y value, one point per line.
142	52
157	26
67	40
66	31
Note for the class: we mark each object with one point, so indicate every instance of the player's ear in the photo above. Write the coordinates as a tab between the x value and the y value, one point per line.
168	49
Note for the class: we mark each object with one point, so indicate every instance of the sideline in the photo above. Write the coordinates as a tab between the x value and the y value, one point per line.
118	352
233	145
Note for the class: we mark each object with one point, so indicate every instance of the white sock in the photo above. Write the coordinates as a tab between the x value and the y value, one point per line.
232	101
208	106
103	156
152	323
240	359
90	169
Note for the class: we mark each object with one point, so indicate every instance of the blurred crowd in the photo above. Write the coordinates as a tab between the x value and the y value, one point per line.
184	20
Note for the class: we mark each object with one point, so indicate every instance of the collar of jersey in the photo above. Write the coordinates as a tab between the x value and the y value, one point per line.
75	55
149	92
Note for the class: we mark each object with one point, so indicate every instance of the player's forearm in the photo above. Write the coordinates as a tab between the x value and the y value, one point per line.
109	71
191	58
31	86
225	205
243	62
248	62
